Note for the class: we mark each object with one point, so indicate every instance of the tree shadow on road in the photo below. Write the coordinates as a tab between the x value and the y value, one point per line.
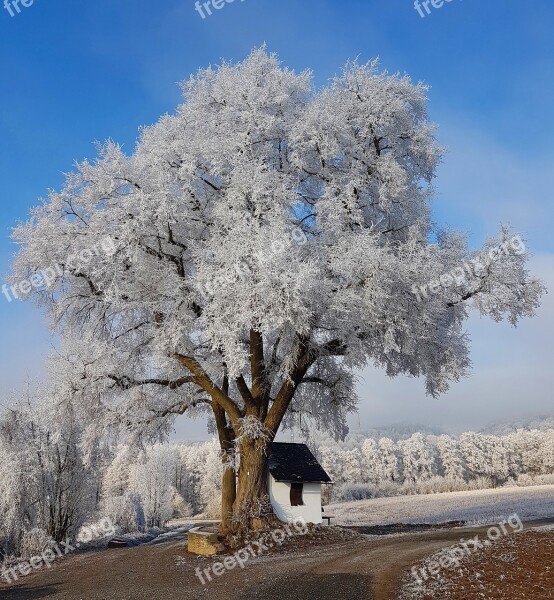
23	592
346	586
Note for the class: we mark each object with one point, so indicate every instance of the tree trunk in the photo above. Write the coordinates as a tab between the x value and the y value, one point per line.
228	486
228	497
252	509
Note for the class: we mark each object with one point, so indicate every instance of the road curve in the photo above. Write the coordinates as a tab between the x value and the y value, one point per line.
366	568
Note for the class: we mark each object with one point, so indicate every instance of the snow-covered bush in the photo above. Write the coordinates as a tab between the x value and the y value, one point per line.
34	542
435	485
480	483
347	492
181	508
530	480
125	512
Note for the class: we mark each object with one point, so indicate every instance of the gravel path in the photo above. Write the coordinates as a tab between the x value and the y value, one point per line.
364	568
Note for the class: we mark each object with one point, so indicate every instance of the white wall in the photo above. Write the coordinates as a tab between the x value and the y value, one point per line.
279	494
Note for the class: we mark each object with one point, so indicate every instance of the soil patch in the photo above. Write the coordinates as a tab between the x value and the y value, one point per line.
517	567
403	528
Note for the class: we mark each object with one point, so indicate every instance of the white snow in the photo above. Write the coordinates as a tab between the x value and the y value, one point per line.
477	507
156	535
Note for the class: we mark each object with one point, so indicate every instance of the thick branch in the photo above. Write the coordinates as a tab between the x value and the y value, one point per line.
126	383
225	432
305	359
179	408
335	348
208	386
465	297
244	391
257	366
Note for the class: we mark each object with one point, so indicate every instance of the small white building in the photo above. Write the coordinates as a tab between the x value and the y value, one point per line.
295	480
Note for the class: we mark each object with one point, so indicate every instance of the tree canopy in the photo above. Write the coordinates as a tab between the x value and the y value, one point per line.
265	242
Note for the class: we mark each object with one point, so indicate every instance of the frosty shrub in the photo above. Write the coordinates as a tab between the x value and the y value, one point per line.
480	483
34	542
213	508
543	480
439	485
181	508
348	492
530	480
389	488
125	512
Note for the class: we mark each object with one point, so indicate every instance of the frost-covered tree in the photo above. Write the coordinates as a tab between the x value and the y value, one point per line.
500	459
530	445
389	468
118	474
54	471
546	454
352	465
418	458
451	458
370	461
145	486
513	455
329	458
486	456
12	497
256	248
473	449
203	469
152	479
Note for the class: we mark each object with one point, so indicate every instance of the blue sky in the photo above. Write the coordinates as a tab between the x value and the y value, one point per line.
75	72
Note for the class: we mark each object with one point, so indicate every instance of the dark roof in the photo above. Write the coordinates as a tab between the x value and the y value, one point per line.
295	462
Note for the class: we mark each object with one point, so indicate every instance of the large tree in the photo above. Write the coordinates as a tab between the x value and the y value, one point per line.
265	241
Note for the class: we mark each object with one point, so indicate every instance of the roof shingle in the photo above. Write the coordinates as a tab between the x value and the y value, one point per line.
295	462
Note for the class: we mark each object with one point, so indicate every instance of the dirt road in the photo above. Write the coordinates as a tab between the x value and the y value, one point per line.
366	568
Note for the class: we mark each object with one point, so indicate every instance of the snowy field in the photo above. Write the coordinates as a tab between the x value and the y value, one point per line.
476	507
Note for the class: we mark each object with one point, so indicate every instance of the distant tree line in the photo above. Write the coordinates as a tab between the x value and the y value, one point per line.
59	471
438	463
